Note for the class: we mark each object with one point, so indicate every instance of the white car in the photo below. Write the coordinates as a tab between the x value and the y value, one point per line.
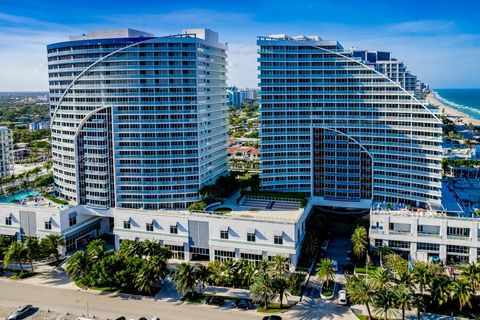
335	265
20	311
342	297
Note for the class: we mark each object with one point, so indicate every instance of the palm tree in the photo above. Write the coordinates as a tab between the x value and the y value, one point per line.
280	285
129	248
279	266
461	291
261	289
421	275
150	274
185	278
96	250
470	273
201	274
325	271
403	298
440	290
15	254
32	250
405	279
381	279
52	243
78	265
310	244
4	244
361	291
360	241
385	301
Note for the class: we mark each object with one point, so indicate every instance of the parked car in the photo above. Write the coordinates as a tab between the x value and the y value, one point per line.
214	301
335	265
121	318
156	318
243	304
349	269
272	317
142	318
342	297
19	312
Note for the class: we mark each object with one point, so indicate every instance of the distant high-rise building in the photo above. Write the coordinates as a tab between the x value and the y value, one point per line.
236	96
37	125
345	126
138	121
6	152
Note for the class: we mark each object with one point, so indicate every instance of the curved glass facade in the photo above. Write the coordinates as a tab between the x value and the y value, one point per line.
342	128
138	122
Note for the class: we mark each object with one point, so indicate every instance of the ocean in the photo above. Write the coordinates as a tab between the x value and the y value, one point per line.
464	100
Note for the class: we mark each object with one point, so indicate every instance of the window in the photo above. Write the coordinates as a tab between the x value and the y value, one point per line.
72	221
278	239
8	221
428	246
251	236
126	224
48	225
458	249
149	226
458	232
378	243
173	229
399	244
223	234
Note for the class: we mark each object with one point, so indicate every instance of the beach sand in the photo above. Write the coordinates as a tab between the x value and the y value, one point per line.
456	116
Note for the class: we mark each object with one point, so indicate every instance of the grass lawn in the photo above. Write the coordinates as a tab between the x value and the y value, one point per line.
274	307
327	291
23	275
222	210
363	270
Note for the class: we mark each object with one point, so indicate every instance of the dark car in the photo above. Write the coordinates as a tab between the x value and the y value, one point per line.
272	317
214	301
121	318
19	312
142	318
243	304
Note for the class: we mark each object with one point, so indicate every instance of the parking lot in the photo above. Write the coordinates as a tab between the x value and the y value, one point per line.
35	314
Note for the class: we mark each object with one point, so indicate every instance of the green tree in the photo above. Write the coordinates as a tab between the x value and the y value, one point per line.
361	291
470	273
261	289
421	275
32	250
15	254
4	244
185	278
460	291
310	244
150	274
403	299
385	301
360	241
96	250
280	286
325	271
201	274
78	265
382	279
440	293
52	244
279	267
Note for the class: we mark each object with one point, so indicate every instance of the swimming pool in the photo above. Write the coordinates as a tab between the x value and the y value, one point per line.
19	196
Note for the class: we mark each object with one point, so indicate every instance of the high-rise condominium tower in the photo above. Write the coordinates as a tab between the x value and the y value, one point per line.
6	152
138	121
345	126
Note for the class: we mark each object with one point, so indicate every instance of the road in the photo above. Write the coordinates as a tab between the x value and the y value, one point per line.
111	305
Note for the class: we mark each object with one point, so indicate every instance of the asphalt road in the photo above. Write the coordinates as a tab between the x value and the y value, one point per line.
111	305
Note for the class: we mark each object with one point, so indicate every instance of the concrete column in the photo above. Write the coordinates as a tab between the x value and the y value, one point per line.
186	250
473	255
413	249
264	255
237	253
414	227
117	241
212	253
19	236
443	252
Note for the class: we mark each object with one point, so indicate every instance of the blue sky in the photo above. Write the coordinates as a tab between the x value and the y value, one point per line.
439	40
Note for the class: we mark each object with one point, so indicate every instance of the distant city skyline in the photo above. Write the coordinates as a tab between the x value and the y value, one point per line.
439	41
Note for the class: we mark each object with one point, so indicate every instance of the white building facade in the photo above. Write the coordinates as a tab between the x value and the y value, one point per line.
422	237
138	121
345	129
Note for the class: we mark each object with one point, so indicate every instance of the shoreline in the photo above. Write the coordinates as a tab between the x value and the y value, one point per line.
453	114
